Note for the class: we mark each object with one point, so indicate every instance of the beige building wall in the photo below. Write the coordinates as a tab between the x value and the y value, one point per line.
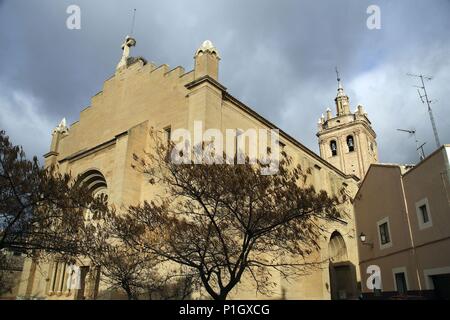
141	96
421	251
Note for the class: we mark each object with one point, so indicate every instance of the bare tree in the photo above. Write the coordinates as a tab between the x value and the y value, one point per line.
41	210
138	273
123	267
226	221
5	283
11	266
43	214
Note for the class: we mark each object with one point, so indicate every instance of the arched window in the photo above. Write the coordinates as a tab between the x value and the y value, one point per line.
350	143
337	250
333	147
96	183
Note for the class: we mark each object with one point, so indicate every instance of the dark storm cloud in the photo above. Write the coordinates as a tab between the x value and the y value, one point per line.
277	56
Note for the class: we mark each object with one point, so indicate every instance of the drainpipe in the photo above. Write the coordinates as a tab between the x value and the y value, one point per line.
446	174
410	233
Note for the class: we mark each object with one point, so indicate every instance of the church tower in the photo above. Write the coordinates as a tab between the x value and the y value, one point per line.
347	140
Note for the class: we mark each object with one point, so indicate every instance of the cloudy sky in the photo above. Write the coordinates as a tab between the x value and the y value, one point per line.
277	56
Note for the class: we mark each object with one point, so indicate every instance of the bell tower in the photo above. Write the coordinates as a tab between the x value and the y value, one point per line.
347	140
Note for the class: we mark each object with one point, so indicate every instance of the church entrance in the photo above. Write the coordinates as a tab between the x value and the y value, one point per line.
81	294
89	283
342	271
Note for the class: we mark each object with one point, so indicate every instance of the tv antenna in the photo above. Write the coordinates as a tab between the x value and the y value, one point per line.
419	148
423	95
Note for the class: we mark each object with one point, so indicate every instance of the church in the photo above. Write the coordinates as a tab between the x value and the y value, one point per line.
140	96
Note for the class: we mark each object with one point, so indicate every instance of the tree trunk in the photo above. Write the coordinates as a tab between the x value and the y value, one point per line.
129	292
222	297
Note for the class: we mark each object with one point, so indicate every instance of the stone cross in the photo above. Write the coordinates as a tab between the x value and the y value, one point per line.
129	42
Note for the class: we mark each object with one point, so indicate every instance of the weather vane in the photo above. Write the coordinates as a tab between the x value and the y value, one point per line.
337	74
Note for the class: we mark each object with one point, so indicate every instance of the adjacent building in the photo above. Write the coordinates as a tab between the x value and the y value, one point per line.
403	222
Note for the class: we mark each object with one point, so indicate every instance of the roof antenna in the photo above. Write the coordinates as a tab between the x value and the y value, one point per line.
422	90
419	148
133	22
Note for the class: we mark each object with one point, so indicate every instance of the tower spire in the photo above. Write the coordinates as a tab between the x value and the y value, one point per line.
340	87
338	77
342	100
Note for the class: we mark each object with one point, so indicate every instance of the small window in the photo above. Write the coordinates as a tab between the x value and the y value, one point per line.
384	233
350	143
333	147
423	214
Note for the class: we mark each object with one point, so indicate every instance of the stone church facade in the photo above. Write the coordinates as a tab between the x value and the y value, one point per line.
140	96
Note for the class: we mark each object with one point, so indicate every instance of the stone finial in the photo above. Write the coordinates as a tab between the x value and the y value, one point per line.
62	127
207	47
207	60
59	133
360	109
322	119
329	114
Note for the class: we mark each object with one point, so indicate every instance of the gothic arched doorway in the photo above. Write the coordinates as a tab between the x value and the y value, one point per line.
342	271
96	184
89	275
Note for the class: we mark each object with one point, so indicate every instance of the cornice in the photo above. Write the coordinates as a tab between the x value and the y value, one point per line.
207	79
84	153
